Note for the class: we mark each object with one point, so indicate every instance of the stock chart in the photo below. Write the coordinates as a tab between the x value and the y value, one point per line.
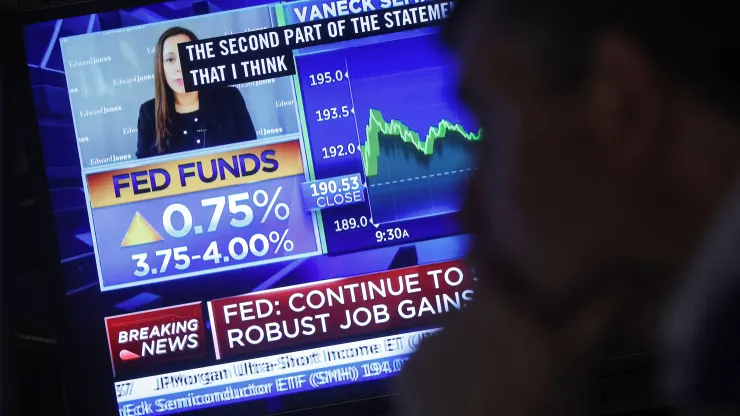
410	177
387	109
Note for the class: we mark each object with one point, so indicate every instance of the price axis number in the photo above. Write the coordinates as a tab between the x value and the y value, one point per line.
327	77
331	187
333	113
340	150
349	224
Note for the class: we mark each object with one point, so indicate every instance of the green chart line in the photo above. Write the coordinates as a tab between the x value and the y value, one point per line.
377	125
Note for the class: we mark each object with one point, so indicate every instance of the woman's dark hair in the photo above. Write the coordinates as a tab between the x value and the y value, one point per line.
164	98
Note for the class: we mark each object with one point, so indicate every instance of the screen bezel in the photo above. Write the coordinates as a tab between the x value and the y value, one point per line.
79	375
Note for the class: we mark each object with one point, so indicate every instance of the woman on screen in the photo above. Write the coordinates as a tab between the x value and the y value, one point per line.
177	121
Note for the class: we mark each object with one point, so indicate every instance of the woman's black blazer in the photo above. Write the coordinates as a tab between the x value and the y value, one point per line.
222	111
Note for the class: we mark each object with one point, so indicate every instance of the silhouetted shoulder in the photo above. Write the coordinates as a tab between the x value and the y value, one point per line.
147	135
147	109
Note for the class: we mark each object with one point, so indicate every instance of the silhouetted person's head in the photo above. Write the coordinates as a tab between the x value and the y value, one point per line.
610	129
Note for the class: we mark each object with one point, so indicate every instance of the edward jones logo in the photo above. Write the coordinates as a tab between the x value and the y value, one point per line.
156	336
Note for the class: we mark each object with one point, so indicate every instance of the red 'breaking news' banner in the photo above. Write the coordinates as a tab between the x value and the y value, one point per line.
394	299
143	339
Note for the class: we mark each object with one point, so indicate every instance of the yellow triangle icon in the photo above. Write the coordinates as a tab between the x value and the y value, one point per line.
140	232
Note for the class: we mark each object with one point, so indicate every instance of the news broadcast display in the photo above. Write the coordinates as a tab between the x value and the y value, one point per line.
253	199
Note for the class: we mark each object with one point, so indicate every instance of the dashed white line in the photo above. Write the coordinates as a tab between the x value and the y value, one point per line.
416	178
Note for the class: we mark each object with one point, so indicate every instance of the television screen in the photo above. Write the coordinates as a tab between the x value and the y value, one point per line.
252	199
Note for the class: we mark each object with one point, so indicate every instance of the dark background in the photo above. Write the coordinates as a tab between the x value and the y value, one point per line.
31	299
